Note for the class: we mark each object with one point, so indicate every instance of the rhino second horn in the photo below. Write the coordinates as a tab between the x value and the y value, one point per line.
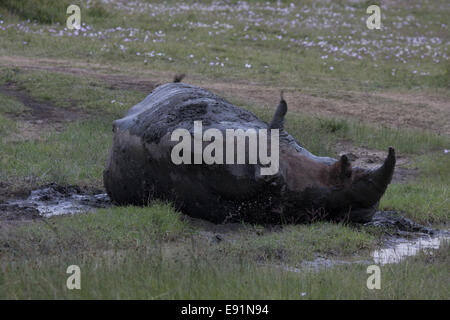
278	118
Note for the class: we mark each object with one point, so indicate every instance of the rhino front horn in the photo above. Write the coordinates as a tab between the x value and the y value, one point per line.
370	188
383	175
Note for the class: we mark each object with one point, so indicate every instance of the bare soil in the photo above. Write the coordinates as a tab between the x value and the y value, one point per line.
419	110
39	118
371	159
25	204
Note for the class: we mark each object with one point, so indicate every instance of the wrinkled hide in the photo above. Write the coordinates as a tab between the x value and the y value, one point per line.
306	187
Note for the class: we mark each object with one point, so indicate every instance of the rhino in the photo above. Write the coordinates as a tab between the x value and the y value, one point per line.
140	167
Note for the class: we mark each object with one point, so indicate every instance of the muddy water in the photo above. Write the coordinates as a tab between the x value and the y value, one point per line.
410	237
396	249
410	240
54	200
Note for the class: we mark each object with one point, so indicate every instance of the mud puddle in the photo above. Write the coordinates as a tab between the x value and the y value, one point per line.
407	238
404	238
396	249
53	200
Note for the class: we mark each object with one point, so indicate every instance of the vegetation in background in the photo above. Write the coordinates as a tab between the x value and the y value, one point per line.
321	48
43	11
87	142
218	40
425	199
50	11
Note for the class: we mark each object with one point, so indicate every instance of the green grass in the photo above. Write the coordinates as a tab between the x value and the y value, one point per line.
46	11
150	271
78	154
66	91
319	134
296	243
50	11
6	127
281	62
132	252
8	107
151	253
426	199
117	228
75	156
145	228
11	106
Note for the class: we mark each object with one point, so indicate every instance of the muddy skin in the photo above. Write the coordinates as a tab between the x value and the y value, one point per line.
306	187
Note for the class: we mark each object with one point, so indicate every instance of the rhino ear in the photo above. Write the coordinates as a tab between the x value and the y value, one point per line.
178	77
340	171
345	167
278	118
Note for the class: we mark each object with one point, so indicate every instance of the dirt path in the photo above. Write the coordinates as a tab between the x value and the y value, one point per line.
406	109
371	159
39	117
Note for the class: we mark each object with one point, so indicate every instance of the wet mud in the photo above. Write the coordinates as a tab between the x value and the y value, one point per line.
52	200
403	237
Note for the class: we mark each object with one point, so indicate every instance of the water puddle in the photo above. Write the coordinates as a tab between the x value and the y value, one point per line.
396	249
407	238
55	200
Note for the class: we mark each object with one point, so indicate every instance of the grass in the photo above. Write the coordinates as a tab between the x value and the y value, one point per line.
294	244
8	107
235	42
148	270
75	156
50	11
154	253
6	126
136	253
319	134
426	199
65	90
111	229
78	154
11	106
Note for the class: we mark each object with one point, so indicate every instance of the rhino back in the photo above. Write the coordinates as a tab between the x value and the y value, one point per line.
140	169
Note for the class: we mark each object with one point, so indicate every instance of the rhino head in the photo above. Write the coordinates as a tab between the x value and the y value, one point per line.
327	187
